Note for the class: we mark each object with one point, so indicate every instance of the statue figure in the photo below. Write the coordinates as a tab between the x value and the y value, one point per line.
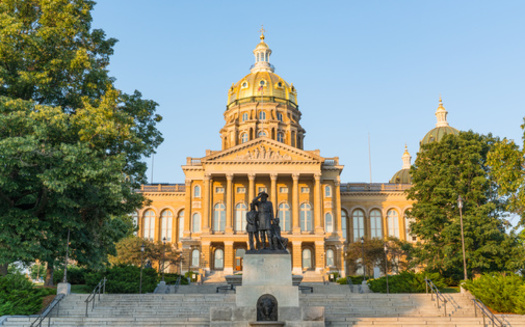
265	210
251	227
278	242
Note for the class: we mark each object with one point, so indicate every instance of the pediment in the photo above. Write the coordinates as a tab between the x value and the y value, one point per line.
262	150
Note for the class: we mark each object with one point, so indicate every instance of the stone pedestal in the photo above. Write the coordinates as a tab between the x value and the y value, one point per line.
64	288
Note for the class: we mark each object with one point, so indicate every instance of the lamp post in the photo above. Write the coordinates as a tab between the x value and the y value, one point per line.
386	269
142	247
163	255
460	206
67	256
363	248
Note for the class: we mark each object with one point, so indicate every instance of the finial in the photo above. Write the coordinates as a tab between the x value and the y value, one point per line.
440	101
262	30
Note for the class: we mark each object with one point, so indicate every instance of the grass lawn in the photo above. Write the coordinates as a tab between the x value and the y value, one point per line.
450	289
80	289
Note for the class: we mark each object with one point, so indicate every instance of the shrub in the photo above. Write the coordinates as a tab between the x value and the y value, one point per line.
405	282
501	292
75	275
171	279
124	279
18	296
192	275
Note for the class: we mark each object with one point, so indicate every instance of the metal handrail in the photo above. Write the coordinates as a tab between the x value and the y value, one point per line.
435	290
56	301
486	313
177	283
92	297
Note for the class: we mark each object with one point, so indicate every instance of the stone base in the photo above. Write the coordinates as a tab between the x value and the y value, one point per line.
247	296
245	316
64	288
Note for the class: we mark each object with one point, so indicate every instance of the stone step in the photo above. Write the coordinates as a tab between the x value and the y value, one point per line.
146	322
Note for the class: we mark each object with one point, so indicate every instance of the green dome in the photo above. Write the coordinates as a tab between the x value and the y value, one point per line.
436	134
401	177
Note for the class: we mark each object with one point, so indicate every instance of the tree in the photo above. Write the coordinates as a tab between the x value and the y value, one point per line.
457	166
71	145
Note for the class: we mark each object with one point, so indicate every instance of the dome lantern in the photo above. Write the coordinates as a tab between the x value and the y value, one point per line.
407	158
441	115
262	56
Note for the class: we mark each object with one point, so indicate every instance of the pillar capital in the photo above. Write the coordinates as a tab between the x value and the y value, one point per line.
188	182
317	176
295	176
207	176
251	176
273	176
229	177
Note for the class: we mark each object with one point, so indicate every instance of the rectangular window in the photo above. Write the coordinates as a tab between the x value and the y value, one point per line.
283	189
241	190
219	190
305	190
262	189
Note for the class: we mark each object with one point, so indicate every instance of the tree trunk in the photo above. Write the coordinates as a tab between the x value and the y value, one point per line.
3	269
49	275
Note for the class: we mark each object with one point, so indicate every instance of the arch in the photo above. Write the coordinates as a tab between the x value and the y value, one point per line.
219	217
262	133
218	259
327	191
410	237
358	219
330	262
284	215
166	225
328	223
197	191
307	259
195	258
135	219
181	224
196	222
376	224
344	223
392	219
305	212
240	216
149	225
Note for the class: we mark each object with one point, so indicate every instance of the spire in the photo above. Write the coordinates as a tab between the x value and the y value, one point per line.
406	159
441	115
262	56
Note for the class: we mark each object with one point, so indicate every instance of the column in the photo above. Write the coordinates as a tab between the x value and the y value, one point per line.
273	192
337	207
297	264
229	204
205	250
187	210
206	204
317	204
295	204
341	254
320	257
251	187
228	257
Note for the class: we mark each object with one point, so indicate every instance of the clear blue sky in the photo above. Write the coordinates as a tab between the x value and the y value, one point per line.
359	67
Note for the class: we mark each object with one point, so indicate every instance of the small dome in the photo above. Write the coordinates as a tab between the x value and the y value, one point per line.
442	128
401	177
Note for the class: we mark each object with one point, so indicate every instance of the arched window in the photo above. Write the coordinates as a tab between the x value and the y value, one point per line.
219	259
135	217
359	224
392	219
166	223
197	191
262	115
327	191
262	133
284	217
344	218
307	259
196	223
330	258
240	217
181	224
245	116
376	227
244	137
306	217
280	137
149	225
219	217
410	237
328	223
195	258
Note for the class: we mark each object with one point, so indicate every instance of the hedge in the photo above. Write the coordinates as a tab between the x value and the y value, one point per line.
405	282
18	296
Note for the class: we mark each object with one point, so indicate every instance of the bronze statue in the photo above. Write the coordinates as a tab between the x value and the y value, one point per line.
265	210
251	227
278	242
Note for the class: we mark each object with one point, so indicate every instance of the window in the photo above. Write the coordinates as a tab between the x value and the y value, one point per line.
280	137
196	223
240	217
262	189
284	217
392	220
344	218
219	259
280	84
329	223
262	133
330	258
219	190
307	259
358	217
327	191
279	116
219	217
181	224
305	190
375	224
195	258
166	223
283	190
244	137
135	218
149	225
409	236
245	116
244	85
197	191
262	115
241	190
306	217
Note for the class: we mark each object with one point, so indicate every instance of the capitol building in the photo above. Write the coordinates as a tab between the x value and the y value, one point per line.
263	149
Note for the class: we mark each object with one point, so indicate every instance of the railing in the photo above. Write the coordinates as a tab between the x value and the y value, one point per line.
486	313
162	188
177	283
93	296
47	311
434	290
373	187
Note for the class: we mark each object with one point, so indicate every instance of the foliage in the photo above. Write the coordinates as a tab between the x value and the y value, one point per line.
191	275
171	279
501	292
357	279
405	282
124	279
71	145
37	271
18	296
75	275
457	166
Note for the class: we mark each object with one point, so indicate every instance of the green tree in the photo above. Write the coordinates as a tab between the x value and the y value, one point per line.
457	166
70	143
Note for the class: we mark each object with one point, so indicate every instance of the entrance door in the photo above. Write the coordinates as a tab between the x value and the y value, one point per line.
238	263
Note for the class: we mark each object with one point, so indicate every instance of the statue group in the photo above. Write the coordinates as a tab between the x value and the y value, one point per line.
261	225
